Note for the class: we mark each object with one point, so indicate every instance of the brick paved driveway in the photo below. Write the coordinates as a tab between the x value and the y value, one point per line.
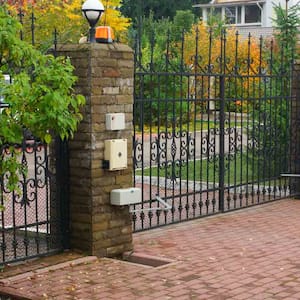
248	254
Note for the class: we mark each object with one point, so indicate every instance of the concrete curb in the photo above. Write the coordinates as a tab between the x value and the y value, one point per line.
75	262
11	294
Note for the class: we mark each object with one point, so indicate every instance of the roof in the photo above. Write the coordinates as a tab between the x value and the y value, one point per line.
219	3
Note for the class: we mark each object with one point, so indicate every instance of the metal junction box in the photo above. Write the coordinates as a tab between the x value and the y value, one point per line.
115	154
125	196
115	121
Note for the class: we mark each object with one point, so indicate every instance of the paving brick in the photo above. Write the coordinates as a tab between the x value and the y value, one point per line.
250	254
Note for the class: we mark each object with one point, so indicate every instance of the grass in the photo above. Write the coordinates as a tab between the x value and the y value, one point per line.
191	126
238	170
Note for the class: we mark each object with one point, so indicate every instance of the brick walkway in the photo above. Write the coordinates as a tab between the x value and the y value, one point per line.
249	254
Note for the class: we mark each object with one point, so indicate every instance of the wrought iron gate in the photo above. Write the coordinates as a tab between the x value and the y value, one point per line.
211	126
34	220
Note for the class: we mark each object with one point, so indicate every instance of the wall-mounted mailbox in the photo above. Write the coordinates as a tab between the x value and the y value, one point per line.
115	154
115	121
125	196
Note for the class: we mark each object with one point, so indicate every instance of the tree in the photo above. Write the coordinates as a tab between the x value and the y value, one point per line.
183	21
282	56
66	17
160	8
114	18
214	50
287	24
160	43
40	96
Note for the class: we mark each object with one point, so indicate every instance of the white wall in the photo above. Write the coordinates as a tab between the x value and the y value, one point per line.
269	11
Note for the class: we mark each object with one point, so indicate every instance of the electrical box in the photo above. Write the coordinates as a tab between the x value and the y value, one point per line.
115	154
115	121
125	196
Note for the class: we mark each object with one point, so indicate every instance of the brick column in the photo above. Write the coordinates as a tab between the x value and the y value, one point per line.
105	73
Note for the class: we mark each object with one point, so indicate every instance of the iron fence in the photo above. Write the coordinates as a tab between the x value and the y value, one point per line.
212	124
32	31
34	220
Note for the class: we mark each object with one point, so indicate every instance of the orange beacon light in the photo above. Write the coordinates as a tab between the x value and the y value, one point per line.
104	34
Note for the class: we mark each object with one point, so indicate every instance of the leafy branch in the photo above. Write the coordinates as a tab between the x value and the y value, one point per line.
40	97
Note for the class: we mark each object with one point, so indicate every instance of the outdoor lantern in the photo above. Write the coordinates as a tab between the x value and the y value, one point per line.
92	10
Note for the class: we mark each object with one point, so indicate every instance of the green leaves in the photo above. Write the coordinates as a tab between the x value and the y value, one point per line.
11	166
40	95
161	9
287	24
47	138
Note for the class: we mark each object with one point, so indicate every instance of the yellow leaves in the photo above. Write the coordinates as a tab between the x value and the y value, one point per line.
210	48
66	17
73	10
70	288
111	3
204	43
207	50
112	17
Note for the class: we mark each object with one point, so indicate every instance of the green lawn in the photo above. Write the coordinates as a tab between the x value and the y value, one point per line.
191	126
238	170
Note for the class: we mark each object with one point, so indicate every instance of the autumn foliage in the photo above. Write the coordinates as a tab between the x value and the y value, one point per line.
213	53
65	16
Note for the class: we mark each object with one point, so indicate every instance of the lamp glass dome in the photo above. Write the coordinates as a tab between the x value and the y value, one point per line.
92	10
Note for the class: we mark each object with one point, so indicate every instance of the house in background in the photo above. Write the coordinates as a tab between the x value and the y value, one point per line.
246	15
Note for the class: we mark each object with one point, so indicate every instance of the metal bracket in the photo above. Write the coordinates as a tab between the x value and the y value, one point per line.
164	203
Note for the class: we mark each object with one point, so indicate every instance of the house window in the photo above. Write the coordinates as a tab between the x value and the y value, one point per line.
241	15
252	14
216	11
230	14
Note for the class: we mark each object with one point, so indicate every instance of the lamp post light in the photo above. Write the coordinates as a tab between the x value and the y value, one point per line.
92	10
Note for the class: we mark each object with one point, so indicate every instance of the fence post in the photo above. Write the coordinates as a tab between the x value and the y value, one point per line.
295	130
105	77
62	191
222	145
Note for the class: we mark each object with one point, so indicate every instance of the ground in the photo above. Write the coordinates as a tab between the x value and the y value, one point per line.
248	254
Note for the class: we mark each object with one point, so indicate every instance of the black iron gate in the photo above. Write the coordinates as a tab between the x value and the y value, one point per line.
211	125
34	220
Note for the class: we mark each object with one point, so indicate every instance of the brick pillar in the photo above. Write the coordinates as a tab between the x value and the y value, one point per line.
295	130
105	78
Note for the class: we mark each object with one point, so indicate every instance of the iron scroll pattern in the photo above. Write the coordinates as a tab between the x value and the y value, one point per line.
31	223
168	151
229	98
28	222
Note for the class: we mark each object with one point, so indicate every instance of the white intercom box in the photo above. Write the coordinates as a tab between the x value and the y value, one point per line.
115	154
125	196
115	121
